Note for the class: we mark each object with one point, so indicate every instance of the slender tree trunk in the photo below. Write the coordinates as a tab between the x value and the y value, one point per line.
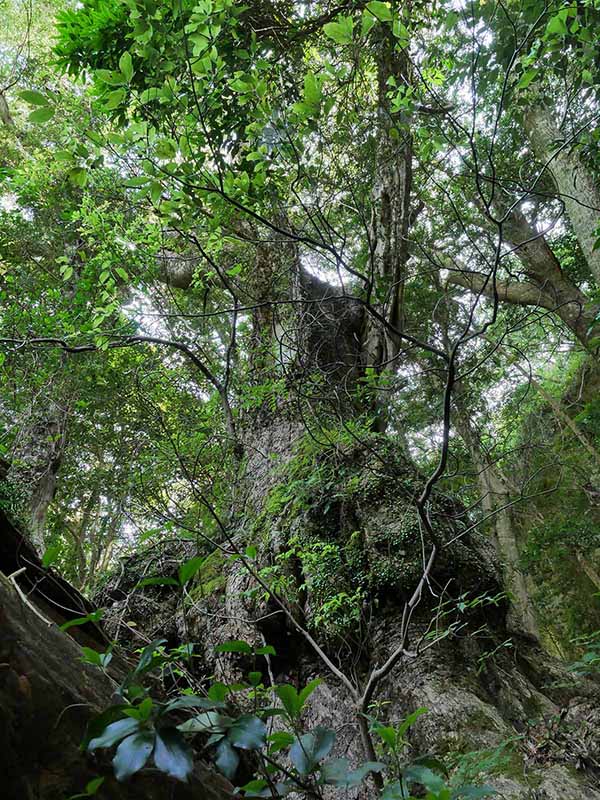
496	500
390	206
561	414
36	462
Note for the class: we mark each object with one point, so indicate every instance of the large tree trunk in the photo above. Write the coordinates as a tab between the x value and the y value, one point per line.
575	184
481	682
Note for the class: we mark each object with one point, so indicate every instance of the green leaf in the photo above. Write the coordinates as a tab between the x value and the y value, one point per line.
251	788
92	786
166	148
393	791
254	678
114	732
423	775
312	90
409	721
557	25
172	755
132	754
63	155
95	616
41	115
126	66
114	99
91	656
155	191
109	77
227	759
207	721
340	31
280	740
367	22
289	698
387	734
192	701
50	555
78	176
526	78
337	772
248	733
140	180
380	10
147	655
33	98
267	650
235	646
218	691
149	95
308	690
309	749
190	568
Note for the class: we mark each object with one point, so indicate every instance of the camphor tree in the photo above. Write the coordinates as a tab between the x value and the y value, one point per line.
296	214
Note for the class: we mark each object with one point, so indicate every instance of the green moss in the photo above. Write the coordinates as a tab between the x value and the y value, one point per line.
210	579
345	513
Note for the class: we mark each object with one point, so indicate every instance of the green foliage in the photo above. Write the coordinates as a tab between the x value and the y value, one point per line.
141	730
589	663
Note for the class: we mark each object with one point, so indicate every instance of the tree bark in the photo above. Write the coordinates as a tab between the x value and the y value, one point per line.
47	696
36	461
388	239
545	284
495	501
576	187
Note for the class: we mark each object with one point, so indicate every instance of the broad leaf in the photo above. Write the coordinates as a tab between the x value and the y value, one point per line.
248	733
235	646
311	748
172	755
227	759
267	650
423	775
114	732
95	616
192	701
41	115
280	740
341	31
33	98
190	568
289	697
382	11
305	693
126	66
132	754
147	655
114	99
207	721
50	555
